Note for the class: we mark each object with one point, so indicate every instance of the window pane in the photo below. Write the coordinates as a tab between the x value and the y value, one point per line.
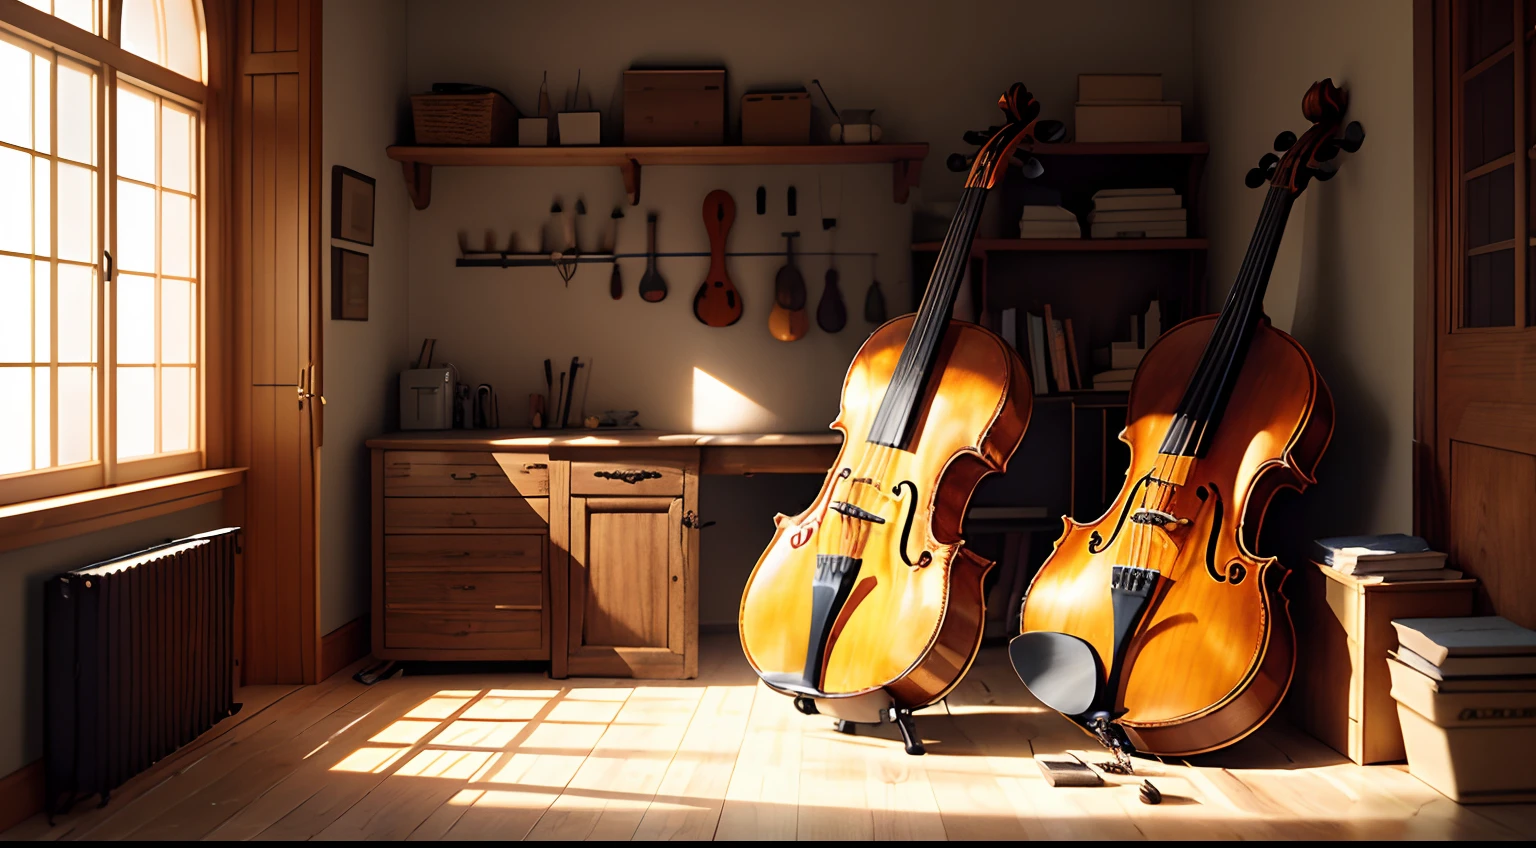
77	415
176	165
77	213
135	412
15	420
15	201
81	13
42	409
42	78
15	95
77	113
42	313
135	227
1489	290
175	409
135	134
15	310
184	53
176	321
42	216
135	319
140	30
77	314
1490	24
176	235
1488	114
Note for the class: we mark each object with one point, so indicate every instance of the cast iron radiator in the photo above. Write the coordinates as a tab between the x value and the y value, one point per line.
138	660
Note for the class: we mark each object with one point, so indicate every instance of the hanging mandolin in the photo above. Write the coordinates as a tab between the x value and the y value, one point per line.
1156	627
868	605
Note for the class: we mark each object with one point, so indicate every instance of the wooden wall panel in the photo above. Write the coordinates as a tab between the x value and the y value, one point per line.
263	25
286	26
1492	529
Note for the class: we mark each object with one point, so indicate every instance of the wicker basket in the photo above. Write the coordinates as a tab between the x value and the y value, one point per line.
468	119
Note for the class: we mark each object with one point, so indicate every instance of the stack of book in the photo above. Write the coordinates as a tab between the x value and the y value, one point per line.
1125	107
1048	222
1121	359
1466	699
1387	558
1138	213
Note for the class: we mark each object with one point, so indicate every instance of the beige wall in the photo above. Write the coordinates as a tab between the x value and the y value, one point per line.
1344	283
364	97
22	575
931	70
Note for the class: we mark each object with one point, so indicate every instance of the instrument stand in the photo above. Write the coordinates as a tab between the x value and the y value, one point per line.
874	708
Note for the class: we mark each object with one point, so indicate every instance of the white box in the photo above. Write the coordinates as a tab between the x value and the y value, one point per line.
532	132
1470	745
580	128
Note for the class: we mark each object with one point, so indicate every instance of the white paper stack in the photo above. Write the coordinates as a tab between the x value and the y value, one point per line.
1048	222
1138	213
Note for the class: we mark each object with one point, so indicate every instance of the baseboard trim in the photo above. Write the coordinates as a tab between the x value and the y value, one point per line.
344	645
21	794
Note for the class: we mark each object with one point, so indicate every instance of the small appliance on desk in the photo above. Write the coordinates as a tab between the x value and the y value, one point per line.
427	394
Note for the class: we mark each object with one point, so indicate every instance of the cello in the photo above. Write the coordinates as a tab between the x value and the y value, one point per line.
1156	627
868	605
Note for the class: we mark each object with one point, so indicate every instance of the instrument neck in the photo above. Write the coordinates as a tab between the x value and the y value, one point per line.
898	414
1205	400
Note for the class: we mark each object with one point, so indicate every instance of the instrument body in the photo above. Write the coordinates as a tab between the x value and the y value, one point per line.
653	288
1215	653
718	303
787	320
911	629
870	596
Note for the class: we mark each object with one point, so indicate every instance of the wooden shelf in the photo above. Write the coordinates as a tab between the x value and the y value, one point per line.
981	246
906	160
1122	148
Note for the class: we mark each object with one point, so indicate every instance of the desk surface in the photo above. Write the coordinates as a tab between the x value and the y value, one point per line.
734	453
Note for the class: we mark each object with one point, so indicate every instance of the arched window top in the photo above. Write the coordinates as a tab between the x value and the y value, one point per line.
166	32
85	14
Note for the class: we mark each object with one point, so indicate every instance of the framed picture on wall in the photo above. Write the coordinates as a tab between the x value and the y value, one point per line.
351	206
349	285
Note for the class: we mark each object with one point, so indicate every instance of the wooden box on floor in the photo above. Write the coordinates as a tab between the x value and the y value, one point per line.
1342	691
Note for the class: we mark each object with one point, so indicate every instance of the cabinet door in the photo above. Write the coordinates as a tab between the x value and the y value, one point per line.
629	585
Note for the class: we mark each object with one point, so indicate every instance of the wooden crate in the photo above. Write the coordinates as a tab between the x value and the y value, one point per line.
1342	689
484	120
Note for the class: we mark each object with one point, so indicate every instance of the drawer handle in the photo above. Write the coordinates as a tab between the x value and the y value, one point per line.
535	466
455	475
467	587
630	476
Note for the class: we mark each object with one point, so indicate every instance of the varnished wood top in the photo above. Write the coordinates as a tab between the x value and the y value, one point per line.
544	439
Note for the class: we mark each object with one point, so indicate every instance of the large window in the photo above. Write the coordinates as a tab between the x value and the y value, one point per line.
100	251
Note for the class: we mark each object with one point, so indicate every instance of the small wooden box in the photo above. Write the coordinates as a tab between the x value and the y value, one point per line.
674	107
1342	691
1129	121
483	120
776	118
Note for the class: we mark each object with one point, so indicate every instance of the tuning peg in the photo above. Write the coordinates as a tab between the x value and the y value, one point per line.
1032	168
958	162
977	138
1267	162
1354	136
1326	151
1321	175
1284	141
1255	178
1050	132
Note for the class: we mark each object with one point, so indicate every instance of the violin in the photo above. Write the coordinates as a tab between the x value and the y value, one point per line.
718	303
1157	628
868	604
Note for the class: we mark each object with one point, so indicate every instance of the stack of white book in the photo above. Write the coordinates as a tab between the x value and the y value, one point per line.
1138	213
1386	558
1048	222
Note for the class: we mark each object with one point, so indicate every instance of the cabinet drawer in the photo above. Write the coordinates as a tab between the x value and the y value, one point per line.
626	478
486	590
467	629
407	514
455	474
465	553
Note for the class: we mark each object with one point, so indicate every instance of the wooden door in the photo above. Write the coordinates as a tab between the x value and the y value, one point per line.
277	429
1480	418
629	586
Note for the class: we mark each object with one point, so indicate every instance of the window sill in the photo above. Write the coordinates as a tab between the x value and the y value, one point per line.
44	520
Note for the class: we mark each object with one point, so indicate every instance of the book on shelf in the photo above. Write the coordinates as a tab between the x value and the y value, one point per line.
1100	216
1071	344
1008	327
1050	230
1041	212
1168	199
1037	364
1440	639
1376	554
1416	576
1139	229
1058	351
1457	667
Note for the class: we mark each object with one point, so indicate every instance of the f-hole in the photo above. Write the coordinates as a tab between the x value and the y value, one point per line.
906	527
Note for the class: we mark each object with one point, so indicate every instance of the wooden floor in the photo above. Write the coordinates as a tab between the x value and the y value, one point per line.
520	756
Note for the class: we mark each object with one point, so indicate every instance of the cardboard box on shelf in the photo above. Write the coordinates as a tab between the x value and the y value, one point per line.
776	118
681	107
1119	87
1129	120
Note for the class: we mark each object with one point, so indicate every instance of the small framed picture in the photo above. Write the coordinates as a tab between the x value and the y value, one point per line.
349	285
351	206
